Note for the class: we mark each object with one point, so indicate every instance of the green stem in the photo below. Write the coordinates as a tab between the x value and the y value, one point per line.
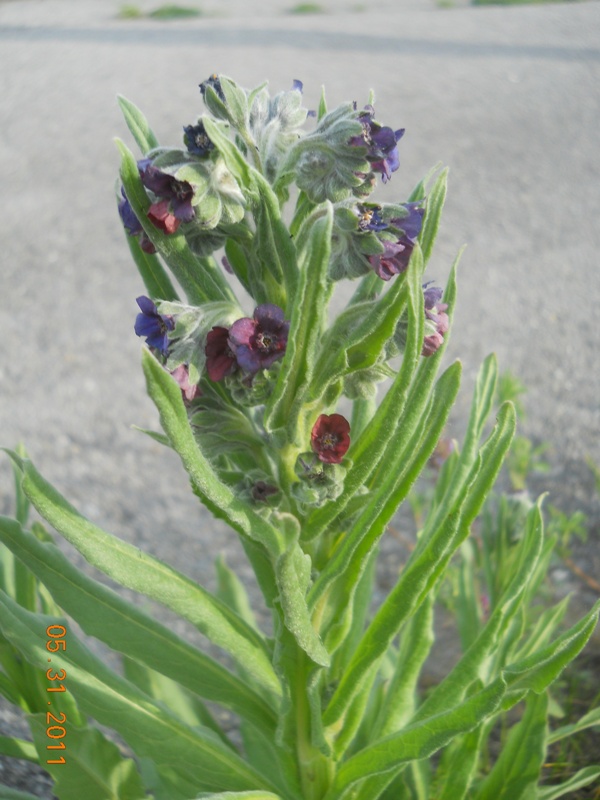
316	770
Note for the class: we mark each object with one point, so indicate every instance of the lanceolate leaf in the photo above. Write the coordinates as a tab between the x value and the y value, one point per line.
18	748
202	762
587	721
347	562
415	742
515	774
306	324
138	125
582	778
122	626
476	661
155	277
419	575
433	212
138	571
94	768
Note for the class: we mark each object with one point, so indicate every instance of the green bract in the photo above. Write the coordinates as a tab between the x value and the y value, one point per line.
328	701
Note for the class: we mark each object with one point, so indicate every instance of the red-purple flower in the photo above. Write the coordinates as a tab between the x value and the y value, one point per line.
220	360
436	319
175	196
330	438
154	326
259	341
182	376
396	255
381	143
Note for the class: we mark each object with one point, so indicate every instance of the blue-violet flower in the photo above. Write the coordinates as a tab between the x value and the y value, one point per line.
154	326
381	143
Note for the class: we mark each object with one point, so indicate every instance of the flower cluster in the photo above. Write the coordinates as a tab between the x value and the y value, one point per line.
226	188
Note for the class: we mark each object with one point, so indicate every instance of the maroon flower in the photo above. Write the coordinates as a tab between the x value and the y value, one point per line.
160	216
261	340
182	376
220	360
330	438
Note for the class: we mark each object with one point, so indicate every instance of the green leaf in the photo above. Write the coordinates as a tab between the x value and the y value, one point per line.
94	768
14	794
242	796
589	720
18	748
401	697
202	762
127	629
461	764
345	566
155	278
415	742
307	322
138	125
183	703
433	213
516	773
475	663
582	778
538	671
233	592
368	449
293	578
136	570
422	571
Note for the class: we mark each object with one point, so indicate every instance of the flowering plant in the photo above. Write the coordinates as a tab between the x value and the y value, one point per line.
254	401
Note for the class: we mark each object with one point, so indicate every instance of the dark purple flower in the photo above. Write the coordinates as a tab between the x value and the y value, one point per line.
396	255
154	326
381	143
436	319
330	438
261	491
132	224
179	194
182	376
220	360
215	84
196	140
261	340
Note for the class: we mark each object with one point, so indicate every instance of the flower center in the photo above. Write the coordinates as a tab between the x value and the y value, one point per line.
329	441
266	341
